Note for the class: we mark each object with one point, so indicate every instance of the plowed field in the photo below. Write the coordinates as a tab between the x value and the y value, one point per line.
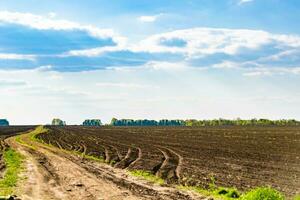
241	157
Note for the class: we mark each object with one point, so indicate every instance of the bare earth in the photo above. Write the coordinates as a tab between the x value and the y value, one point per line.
51	173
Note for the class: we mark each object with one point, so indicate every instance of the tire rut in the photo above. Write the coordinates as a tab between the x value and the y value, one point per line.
131	165
131	156
169	169
49	171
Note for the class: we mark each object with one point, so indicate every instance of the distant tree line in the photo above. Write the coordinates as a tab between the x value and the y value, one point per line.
178	122
214	122
92	122
242	122
146	122
4	122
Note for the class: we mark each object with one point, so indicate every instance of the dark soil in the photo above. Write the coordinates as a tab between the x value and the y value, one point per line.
241	157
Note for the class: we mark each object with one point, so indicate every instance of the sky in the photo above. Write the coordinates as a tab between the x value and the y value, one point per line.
175	59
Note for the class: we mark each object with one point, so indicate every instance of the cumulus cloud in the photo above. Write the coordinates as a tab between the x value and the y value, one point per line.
57	35
203	41
44	23
155	65
42	40
72	47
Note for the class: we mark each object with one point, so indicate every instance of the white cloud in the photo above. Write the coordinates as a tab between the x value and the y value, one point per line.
269	71
252	68
290	54
166	66
52	14
200	42
204	41
226	65
244	1
10	56
191	45
95	51
45	23
11	83
148	18
125	85
44	68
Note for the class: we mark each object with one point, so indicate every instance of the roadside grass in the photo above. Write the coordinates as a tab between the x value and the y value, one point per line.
38	130
20	141
94	158
260	193
263	193
13	161
147	176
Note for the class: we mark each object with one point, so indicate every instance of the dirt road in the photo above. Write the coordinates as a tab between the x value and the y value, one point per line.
51	173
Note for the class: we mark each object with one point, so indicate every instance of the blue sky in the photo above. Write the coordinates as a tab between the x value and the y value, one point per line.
149	59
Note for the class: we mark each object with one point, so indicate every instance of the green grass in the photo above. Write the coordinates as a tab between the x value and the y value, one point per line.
33	134
147	176
13	161
37	131
263	193
98	159
20	141
297	197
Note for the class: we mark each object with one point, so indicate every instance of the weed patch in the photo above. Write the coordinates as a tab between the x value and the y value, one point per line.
147	176
263	193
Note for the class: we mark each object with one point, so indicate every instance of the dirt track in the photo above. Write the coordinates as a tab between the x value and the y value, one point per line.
54	174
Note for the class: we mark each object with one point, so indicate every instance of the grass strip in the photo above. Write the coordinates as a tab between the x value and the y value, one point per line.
259	193
263	193
147	176
19	140
13	161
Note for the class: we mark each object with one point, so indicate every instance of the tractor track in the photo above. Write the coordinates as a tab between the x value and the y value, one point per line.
137	159
131	156
170	167
143	190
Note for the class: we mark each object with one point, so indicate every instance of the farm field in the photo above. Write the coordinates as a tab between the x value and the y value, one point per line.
241	157
6	131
